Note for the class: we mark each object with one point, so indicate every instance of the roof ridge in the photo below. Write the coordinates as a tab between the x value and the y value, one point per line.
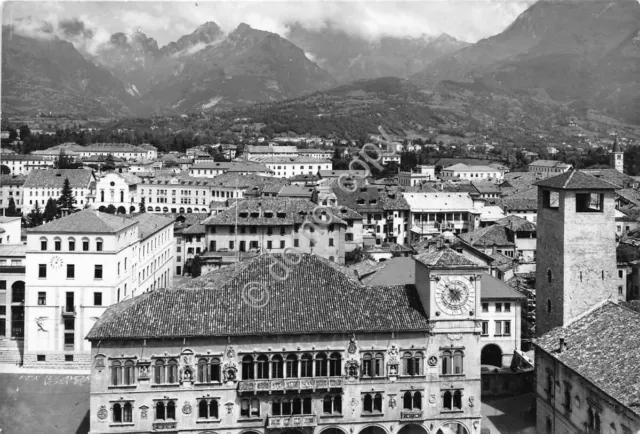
592	309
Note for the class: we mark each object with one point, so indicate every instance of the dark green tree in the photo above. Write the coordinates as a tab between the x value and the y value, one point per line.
12	211
13	134
35	216
51	210
196	266
143	207
67	199
4	170
111	209
109	163
25	132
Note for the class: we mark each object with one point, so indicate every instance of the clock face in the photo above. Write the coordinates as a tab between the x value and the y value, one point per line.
56	262
455	295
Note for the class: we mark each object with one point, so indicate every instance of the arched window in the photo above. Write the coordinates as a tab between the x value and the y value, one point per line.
548	306
407	364
85	244
446	363
203	372
245	408
214	371
262	367
213	409
335	361
446	400
297	405
150	208
255	407
160	414
98	244
277	368
417	400
367	365
127	412
247	368
43	243
549	277
306	405
337	404
128	376
457	362
57	244
367	406
172	371
321	365
171	410
116	373
457	399
327	404
377	403
203	409
407	401
117	413
292	366
72	244
378	365
157	209
159	372
306	363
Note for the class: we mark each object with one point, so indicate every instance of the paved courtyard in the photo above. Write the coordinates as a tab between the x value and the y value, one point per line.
511	414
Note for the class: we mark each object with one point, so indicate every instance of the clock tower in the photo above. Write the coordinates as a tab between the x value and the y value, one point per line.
449	287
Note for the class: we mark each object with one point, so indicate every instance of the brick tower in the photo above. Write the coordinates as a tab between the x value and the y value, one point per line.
576	253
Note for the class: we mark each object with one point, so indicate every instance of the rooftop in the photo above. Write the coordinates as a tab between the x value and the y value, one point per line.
517	224
441	201
444	257
488	237
150	223
87	221
549	163
576	180
602	346
54	178
493	288
314	299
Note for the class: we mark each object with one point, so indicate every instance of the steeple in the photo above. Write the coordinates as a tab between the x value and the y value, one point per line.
617	156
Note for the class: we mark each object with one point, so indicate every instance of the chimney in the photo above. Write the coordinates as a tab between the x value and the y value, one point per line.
439	244
563	346
494	249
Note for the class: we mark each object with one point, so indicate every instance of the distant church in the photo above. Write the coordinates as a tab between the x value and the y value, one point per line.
616	160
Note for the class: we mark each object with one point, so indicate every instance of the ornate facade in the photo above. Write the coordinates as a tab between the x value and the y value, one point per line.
332	361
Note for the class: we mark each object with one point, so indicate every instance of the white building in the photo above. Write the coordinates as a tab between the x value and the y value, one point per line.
12	276
41	185
117	189
24	164
321	154
549	167
417	176
390	157
11	187
209	170
143	153
255	153
287	167
465	171
80	264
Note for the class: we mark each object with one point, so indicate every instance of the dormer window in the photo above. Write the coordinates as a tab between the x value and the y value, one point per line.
360	201
255	214
373	201
268	215
281	215
244	214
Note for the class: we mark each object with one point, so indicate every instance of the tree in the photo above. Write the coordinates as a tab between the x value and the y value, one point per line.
67	199
196	266
51	210
35	216
13	134
12	211
143	207
109	163
355	256
4	170
25	132
111	209
64	161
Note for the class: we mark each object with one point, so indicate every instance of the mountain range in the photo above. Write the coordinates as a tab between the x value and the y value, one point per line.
583	54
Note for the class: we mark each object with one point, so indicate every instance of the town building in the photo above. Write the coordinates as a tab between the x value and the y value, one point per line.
209	170
78	265
256	153
523	207
320	154
11	187
465	171
287	167
390	157
417	176
141	153
175	194
435	212
185	245
339	362
41	185
12	290
549	167
616	159
119	190
20	164
278	226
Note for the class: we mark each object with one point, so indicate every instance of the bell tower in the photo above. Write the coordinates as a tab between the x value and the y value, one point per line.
617	157
576	255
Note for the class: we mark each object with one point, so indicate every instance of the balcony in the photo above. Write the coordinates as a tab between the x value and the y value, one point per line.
13	269
411	414
281	385
302	420
69	311
159	426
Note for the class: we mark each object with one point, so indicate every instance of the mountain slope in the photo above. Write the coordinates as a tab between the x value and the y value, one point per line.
580	52
349	57
51	75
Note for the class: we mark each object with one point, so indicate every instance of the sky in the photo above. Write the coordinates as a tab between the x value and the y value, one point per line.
92	22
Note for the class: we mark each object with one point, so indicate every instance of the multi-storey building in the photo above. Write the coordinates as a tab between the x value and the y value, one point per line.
465	171
117	189
80	264
321	154
549	167
175	194
142	153
417	176
253	153
274	225
11	186
12	276
209	170
41	185
583	384
340	361
24	164
183	222
287	167
435	212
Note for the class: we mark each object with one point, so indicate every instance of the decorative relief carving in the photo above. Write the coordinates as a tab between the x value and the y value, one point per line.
433	361
392	401
102	412
231	353
351	367
432	399
99	362
393	363
229	406
186	408
354	405
143	411
431	327
454	336
471	401
352	345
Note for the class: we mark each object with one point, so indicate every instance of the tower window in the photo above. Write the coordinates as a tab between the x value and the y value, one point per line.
551	199
548	306
549	276
589	202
